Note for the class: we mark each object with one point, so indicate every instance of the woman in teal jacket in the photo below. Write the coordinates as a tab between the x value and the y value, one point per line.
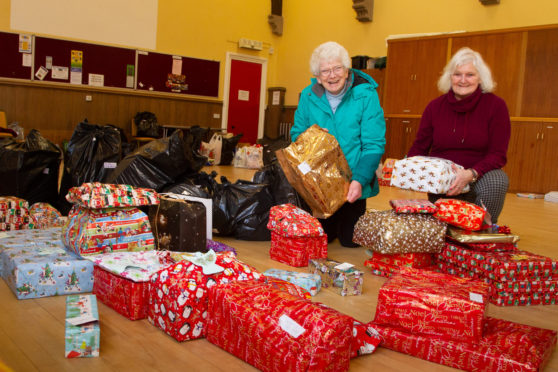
344	102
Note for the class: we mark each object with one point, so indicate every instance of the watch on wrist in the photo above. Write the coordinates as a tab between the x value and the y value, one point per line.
475	175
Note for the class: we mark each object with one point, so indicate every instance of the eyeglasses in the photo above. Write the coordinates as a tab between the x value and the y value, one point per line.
335	70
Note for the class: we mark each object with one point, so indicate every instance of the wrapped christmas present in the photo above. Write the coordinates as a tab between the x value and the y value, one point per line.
365	339
502	266
413	206
178	293
316	167
94	231
433	304
387	168
460	213
14	213
276	331
524	299
179	225
483	236
219	247
381	268
504	347
311	282
425	174
121	279
403	259
98	195
83	334
390	232
44	215
45	270
296	236
342	278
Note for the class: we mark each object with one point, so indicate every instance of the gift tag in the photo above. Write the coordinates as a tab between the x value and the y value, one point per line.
304	167
290	326
344	266
476	297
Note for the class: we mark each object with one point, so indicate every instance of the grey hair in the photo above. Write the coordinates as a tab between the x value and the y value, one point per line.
462	57
329	51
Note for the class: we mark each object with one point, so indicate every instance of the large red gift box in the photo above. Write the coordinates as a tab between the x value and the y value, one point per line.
404	259
434	304
297	251
178	294
127	297
276	331
505	346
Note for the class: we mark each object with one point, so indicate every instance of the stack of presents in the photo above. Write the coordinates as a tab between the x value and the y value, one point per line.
150	255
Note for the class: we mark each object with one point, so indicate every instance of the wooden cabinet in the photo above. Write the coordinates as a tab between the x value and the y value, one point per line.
532	156
400	135
412	72
379	77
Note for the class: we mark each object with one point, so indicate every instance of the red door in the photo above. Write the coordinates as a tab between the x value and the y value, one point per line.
244	99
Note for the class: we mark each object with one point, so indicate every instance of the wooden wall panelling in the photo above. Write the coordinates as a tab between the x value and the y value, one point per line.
546	162
540	94
379	76
56	109
503	54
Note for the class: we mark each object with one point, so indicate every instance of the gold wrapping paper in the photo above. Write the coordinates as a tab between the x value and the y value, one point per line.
316	167
465	236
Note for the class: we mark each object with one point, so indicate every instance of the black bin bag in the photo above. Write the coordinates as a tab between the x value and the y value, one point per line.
156	164
270	146
280	188
228	148
29	169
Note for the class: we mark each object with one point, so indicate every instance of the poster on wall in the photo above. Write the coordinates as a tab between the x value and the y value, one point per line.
25	43
76	67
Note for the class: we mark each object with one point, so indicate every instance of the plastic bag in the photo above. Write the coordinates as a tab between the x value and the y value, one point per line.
249	157
215	146
270	146
281	189
29	169
228	148
147	126
18	129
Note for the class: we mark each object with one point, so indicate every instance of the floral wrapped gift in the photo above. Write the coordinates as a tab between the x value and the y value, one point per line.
276	331
425	174
504	347
316	167
178	293
390	232
433	304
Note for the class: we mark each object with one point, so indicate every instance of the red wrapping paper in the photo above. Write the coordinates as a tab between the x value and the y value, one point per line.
286	286
404	259
127	297
250	319
460	213
413	206
501	266
297	251
365	339
380	268
504	347
178	294
435	304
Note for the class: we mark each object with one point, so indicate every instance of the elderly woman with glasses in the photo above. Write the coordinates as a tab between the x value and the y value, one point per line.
344	102
470	126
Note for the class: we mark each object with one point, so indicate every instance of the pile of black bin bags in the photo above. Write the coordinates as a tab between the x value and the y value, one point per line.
95	153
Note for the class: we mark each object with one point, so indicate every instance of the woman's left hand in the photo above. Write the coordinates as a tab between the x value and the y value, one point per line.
463	178
355	191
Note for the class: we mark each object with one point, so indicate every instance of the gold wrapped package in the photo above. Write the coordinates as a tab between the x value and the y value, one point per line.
390	232
465	236
316	167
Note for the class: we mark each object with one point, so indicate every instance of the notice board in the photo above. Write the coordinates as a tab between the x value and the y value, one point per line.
12	60
99	65
176	74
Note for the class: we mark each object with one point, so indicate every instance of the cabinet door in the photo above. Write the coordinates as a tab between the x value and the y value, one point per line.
502	53
399	74
411	128
523	152
400	134
548	157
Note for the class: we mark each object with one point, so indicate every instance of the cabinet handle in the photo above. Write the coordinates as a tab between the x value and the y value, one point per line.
538	136
406	110
542	136
405	121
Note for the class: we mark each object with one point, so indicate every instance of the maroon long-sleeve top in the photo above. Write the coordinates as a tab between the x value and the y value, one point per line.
473	132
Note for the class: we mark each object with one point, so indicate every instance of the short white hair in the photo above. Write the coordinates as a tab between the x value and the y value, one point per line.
462	57
328	52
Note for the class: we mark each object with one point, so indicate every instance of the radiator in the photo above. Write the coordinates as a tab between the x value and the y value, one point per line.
285	130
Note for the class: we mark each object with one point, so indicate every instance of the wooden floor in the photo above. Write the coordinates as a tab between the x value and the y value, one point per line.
32	331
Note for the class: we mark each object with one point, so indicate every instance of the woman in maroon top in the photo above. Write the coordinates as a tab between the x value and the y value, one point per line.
471	127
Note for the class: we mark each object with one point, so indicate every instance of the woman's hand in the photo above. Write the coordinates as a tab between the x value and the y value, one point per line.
355	191
463	178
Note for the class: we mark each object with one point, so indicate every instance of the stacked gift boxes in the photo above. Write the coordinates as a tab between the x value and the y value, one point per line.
405	236
105	218
311	282
296	236
441	318
515	277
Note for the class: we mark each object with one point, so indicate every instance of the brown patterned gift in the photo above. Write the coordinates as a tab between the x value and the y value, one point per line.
316	167
433	304
424	174
390	232
179	225
504	347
